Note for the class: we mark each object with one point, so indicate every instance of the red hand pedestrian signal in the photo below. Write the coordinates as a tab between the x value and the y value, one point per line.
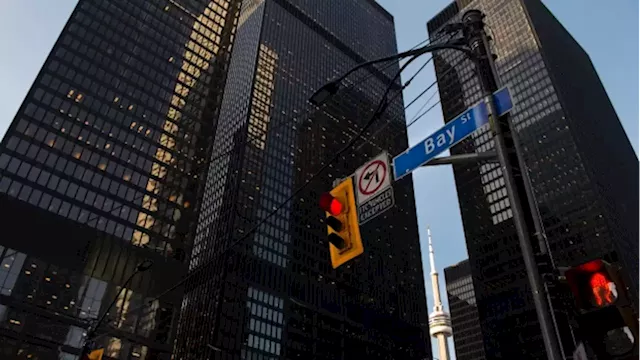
603	289
592	285
605	315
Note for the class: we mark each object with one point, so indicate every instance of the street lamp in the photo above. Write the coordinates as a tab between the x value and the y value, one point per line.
91	334
331	88
325	92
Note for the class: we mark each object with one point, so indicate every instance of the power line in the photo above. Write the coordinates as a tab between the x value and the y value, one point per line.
413	121
380	109
423	42
382	106
417	98
398	94
420	115
423	114
309	110
112	212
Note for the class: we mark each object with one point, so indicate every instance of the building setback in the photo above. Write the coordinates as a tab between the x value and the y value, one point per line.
271	293
101	169
581	164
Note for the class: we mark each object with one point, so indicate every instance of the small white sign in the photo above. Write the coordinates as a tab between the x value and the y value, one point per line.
375	206
373	178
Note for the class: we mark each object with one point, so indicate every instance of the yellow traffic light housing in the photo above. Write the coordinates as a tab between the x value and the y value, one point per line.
343	229
96	354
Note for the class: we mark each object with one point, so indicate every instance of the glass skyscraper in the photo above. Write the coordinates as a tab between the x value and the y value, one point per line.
101	169
582	167
271	293
467	335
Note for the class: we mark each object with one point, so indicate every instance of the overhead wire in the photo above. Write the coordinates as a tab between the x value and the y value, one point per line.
382	106
364	78
419	115
234	149
380	109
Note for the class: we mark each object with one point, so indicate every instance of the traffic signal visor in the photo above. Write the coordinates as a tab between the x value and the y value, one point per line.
593	285
343	229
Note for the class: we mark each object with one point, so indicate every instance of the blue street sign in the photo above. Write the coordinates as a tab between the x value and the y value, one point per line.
502	101
450	134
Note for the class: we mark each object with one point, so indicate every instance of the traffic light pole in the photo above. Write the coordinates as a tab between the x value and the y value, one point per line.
479	45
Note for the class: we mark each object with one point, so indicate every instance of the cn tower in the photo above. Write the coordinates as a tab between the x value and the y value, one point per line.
439	320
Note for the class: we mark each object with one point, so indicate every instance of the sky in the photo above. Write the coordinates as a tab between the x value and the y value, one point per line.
608	30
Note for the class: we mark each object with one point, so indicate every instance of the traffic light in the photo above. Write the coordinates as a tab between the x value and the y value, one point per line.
343	229
94	355
605	315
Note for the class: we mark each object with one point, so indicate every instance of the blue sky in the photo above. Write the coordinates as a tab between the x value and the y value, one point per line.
608	30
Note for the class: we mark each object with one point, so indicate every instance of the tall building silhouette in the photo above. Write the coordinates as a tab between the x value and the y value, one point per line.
101	169
467	334
272	293
582	167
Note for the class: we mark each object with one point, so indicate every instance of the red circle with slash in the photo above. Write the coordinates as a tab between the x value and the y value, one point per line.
367	189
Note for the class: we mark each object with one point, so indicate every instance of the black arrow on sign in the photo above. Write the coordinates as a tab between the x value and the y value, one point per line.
369	174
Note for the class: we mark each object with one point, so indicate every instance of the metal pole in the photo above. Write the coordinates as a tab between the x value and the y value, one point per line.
477	38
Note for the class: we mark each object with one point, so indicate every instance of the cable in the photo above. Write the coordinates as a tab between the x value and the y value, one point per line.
416	99
379	110
141	196
398	94
423	42
382	106
417	117
423	106
423	114
425	90
414	76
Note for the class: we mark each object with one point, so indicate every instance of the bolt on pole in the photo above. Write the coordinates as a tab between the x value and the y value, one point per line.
479	45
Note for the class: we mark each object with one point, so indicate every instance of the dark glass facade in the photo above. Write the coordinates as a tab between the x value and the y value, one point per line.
271	293
465	321
101	169
582	166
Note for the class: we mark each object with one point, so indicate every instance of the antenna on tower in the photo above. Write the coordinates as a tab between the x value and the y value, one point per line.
439	320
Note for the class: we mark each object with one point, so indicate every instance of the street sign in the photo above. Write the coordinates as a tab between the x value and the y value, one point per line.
450	134
373	177
502	101
373	188
376	205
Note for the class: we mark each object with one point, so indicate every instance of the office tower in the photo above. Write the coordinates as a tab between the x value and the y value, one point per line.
100	170
467	335
272	293
582	167
439	320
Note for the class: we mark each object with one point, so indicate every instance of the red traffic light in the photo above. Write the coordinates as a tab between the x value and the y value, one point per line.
330	204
